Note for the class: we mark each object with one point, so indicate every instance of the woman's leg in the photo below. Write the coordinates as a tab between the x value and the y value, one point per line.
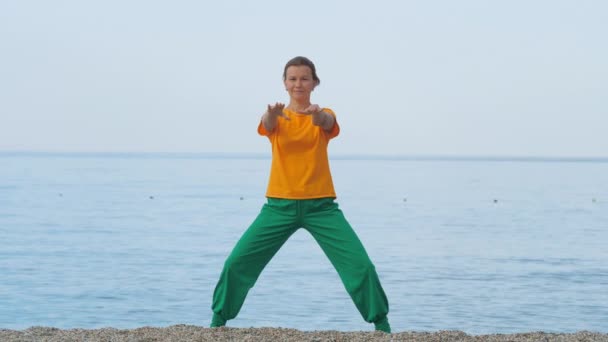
325	221
273	226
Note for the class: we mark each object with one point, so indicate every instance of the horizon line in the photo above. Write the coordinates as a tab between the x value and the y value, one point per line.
334	156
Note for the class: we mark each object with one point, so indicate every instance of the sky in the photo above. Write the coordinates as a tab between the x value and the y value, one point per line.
450	78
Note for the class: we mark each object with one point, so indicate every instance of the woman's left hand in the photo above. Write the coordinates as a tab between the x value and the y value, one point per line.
313	109
320	118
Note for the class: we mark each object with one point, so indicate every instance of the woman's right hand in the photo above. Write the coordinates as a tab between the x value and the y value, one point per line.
276	110
270	118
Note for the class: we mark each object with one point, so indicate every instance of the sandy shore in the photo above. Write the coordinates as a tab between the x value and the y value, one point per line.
196	333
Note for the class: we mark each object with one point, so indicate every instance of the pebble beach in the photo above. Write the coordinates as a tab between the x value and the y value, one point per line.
196	333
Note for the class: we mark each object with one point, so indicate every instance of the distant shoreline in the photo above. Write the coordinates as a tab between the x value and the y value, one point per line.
197	333
333	156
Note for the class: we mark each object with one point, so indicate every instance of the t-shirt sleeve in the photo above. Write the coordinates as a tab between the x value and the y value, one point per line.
262	130
336	129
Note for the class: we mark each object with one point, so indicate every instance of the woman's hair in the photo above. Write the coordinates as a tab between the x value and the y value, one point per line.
299	60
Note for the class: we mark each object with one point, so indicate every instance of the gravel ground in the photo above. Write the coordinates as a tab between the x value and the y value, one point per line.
197	333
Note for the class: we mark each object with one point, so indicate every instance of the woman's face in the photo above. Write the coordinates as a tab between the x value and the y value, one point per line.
299	82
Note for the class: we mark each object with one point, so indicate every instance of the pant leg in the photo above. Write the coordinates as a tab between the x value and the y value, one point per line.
327	224
269	231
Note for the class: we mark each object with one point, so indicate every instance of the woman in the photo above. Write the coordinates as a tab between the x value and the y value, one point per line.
300	194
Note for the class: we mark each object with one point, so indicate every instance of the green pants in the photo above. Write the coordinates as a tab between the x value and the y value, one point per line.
277	221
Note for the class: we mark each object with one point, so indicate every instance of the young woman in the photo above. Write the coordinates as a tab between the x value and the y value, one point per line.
300	194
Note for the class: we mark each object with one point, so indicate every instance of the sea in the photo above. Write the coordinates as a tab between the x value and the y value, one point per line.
482	245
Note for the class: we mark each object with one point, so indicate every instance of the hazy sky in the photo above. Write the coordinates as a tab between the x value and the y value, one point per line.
525	78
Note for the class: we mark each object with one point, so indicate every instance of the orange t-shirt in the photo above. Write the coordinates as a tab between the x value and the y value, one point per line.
300	166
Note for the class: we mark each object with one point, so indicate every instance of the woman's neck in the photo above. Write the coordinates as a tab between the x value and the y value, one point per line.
298	106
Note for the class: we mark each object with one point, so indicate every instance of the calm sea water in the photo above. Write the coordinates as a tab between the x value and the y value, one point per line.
139	240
